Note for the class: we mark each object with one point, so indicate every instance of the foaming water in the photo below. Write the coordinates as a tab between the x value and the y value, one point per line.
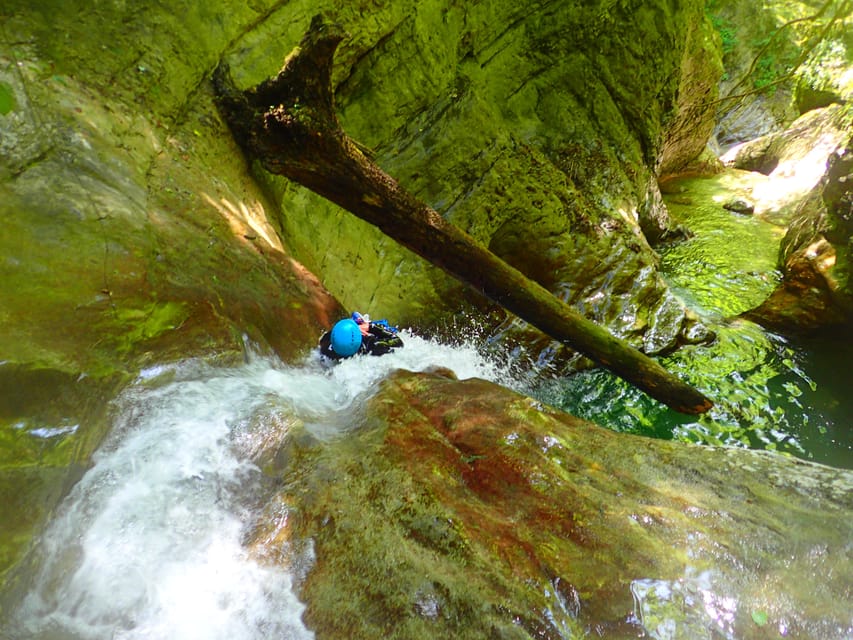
149	544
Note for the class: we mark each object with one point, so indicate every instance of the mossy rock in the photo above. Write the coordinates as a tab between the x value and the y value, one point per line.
460	509
133	233
541	140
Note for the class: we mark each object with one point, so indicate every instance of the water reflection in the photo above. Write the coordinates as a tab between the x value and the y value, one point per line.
769	392
685	608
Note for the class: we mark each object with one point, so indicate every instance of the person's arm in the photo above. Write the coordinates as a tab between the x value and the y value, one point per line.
385	335
383	340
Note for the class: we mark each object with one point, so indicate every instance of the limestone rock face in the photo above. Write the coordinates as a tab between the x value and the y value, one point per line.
688	132
461	509
537	129
133	233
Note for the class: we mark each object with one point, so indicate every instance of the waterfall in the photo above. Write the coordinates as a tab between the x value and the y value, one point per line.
149	543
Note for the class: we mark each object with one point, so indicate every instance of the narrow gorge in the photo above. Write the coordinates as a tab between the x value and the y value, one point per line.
175	462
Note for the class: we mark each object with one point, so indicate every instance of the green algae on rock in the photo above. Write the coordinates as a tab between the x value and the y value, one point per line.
559	96
7	99
728	265
289	124
120	192
461	509
727	270
132	235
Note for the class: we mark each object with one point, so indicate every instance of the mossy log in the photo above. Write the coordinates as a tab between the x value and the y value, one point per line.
288	122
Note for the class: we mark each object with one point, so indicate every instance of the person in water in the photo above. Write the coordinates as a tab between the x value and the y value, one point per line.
357	334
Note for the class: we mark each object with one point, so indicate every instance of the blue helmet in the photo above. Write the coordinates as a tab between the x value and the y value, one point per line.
346	338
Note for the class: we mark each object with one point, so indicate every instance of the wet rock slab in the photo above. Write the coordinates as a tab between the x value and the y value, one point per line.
461	509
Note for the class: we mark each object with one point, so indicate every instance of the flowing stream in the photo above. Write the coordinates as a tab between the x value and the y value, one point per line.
149	544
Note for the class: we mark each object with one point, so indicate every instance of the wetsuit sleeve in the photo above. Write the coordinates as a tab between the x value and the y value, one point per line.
384	340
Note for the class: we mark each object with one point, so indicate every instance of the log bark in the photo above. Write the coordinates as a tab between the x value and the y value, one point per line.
288	122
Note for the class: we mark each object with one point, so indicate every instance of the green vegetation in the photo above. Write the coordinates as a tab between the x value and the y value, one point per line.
7	99
727	31
778	44
771	65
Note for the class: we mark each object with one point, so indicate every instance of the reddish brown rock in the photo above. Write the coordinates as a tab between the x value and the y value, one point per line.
461	509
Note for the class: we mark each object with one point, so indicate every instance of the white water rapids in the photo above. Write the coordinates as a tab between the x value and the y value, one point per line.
148	545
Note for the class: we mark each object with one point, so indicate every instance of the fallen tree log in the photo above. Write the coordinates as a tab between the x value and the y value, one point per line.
288	122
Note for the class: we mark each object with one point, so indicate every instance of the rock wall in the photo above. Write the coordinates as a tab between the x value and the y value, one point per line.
537	129
132	233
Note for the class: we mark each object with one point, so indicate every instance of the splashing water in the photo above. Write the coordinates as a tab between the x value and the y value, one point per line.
149	543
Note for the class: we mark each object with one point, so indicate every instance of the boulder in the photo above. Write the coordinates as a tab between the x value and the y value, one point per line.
461	509
794	159
739	205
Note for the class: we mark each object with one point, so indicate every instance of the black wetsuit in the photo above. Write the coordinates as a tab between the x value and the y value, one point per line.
378	341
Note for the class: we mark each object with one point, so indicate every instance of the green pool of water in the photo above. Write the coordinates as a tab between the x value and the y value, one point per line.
728	266
769	392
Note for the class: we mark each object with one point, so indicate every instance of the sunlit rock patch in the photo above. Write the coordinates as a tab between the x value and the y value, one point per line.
808	190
